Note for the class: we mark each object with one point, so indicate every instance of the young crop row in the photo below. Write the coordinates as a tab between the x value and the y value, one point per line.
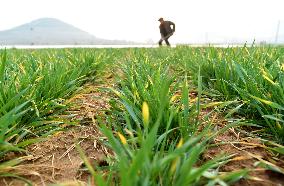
33	89
157	137
154	128
252	76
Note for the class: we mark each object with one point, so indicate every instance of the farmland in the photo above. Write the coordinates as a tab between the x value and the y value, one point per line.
174	116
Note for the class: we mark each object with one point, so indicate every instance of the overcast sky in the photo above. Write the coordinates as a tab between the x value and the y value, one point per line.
136	20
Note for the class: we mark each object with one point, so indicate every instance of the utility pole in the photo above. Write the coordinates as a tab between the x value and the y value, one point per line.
277	32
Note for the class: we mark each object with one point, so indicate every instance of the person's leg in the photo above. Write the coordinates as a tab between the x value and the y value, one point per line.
166	39
160	41
167	42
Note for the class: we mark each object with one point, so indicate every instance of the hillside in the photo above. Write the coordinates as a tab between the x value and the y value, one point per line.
50	31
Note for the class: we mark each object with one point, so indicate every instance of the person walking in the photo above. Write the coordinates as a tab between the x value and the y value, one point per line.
167	29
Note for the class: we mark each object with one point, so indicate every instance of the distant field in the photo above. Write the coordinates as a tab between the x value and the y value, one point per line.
75	46
155	45
156	124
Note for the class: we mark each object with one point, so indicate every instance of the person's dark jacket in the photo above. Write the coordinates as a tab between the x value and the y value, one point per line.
166	29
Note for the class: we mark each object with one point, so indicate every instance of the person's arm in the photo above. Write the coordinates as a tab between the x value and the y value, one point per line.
174	26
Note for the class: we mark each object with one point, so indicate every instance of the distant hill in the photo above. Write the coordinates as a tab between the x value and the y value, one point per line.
50	31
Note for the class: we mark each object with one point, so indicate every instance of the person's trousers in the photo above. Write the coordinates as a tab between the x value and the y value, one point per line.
165	38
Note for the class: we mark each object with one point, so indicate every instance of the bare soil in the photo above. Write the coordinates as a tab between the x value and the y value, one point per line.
248	152
57	160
